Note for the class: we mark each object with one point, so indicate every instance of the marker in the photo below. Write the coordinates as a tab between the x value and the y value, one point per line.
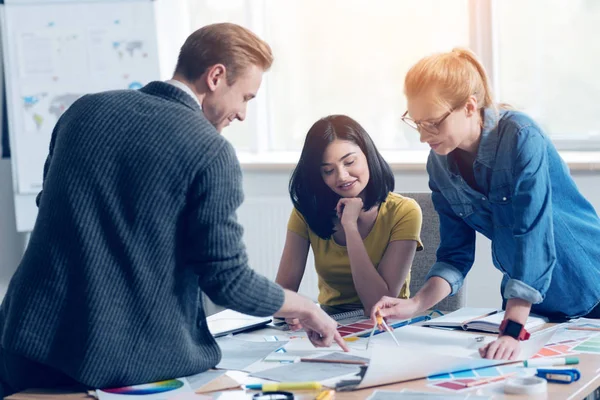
350	339
541	362
273	387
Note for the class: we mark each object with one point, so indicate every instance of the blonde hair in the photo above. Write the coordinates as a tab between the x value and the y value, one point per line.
451	78
229	44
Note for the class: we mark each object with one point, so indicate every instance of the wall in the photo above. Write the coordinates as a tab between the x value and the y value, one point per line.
11	242
267	205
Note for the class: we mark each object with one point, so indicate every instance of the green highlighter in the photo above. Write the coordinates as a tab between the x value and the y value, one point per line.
544	362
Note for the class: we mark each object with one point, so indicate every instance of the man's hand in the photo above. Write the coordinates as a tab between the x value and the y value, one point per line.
300	312
322	329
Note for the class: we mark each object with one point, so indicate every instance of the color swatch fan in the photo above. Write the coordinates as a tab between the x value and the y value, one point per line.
155	390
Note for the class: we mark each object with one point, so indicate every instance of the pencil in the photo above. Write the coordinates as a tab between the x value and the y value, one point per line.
489	380
333	361
480	317
583	328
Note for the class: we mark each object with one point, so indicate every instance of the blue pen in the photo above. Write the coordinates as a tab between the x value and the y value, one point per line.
399	324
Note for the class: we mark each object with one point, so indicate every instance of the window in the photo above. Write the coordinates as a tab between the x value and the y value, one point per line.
547	65
351	56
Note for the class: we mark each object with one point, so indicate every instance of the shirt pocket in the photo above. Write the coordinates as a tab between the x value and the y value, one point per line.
502	209
458	203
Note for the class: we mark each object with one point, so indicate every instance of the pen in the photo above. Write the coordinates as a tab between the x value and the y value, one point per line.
539	362
325	395
273	387
582	328
399	325
333	361
481	316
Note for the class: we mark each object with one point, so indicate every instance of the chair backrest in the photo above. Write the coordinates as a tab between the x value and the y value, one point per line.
430	236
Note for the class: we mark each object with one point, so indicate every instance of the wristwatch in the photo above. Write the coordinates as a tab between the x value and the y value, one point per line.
514	329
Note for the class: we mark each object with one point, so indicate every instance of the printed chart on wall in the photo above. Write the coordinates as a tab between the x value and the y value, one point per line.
56	53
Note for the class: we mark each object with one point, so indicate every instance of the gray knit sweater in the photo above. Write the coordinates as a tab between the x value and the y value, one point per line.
136	218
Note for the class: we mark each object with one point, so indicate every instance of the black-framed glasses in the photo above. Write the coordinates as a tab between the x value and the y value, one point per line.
429	127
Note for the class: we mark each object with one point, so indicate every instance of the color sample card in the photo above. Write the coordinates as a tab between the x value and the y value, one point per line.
356	328
489	372
559	349
473	378
592	345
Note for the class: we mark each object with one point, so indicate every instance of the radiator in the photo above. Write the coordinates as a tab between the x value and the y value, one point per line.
265	225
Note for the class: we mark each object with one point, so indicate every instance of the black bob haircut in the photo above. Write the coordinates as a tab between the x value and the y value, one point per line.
309	193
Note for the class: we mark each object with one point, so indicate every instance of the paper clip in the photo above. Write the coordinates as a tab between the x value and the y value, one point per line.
559	375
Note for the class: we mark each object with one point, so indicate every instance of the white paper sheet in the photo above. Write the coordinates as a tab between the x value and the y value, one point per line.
199	380
307	372
241	354
419	356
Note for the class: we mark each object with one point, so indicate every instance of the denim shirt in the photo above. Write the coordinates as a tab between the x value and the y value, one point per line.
545	235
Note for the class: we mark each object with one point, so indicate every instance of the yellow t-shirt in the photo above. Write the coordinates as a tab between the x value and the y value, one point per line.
399	218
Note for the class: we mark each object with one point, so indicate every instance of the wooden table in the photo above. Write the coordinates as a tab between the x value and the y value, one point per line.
589	366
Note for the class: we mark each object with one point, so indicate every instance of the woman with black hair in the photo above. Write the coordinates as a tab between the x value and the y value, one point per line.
363	236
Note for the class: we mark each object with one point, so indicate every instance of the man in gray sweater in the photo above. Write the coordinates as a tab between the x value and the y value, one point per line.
136	219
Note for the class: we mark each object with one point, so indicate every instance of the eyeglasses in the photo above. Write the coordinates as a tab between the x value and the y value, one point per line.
430	127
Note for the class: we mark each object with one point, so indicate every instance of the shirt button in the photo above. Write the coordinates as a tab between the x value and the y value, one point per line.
461	214
504	199
483	198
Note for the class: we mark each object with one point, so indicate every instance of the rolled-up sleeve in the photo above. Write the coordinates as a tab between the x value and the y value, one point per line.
456	252
535	253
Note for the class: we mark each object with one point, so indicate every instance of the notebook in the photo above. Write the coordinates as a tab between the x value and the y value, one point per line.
479	319
348	314
229	321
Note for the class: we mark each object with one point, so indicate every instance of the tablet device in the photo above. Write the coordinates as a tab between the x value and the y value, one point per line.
229	321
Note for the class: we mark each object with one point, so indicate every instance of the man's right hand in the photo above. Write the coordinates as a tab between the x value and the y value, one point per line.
322	329
299	312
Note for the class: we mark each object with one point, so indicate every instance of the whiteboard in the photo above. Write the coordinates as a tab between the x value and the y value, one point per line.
55	52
